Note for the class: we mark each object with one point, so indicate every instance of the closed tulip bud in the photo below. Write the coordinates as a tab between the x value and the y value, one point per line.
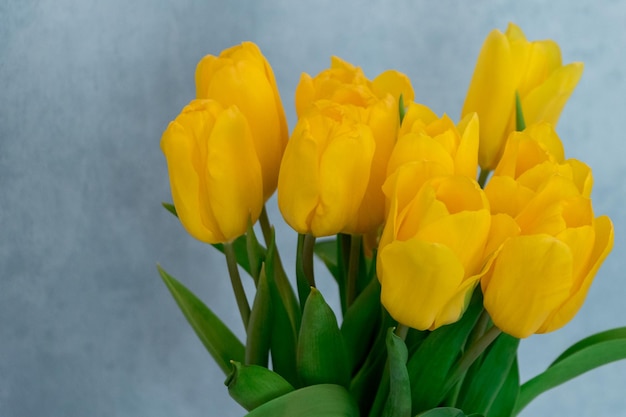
215	174
242	76
432	251
509	63
548	243
325	171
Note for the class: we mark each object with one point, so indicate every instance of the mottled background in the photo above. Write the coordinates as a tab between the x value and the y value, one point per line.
87	328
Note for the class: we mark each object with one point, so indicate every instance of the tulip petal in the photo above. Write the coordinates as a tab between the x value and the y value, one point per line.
233	174
507	196
491	94
529	279
420	278
602	246
466	157
394	83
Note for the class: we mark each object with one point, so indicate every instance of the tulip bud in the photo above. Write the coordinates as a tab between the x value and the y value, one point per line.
431	253
508	63
553	245
215	174
242	76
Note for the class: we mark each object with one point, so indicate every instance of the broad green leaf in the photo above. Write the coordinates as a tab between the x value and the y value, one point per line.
575	364
322	357
445	412
430	364
252	385
361	323
613	334
221	343
258	338
285	317
170	207
399	400
485	382
241	253
504	403
314	401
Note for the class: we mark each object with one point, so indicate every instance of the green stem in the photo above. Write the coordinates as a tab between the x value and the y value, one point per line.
266	227
353	268
482	177
307	258
235	280
470	355
479	328
401	331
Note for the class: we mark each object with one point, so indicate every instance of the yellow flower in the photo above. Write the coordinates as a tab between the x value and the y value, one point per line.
432	251
548	243
215	175
508	63
344	83
430	146
325	170
370	103
242	76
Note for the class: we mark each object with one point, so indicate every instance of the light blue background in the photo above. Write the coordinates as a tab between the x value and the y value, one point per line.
87	328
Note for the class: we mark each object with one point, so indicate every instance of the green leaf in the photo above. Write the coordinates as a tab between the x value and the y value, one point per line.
252	385
285	317
520	124
170	207
322	357
326	250
314	401
613	334
577	363
402	108
504	403
258	338
360	324
430	364
445	412
221	343
399	400
483	384
241	253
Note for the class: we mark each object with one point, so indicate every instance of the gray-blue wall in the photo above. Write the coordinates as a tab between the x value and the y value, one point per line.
87	328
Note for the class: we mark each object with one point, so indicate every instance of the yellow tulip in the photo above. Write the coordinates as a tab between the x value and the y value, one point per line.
242	76
509	63
344	83
432	251
549	245
215	174
433	146
370	103
326	170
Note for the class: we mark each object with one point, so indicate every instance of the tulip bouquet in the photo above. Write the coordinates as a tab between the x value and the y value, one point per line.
449	242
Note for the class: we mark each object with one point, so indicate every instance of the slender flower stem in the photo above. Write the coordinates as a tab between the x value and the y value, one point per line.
353	268
401	331
479	328
235	280
471	354
482	177
307	258
266	227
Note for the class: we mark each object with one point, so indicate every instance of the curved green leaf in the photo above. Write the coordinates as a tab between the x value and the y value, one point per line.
570	367
314	401
170	207
221	343
252	385
399	400
445	412
613	334
504	403
321	357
